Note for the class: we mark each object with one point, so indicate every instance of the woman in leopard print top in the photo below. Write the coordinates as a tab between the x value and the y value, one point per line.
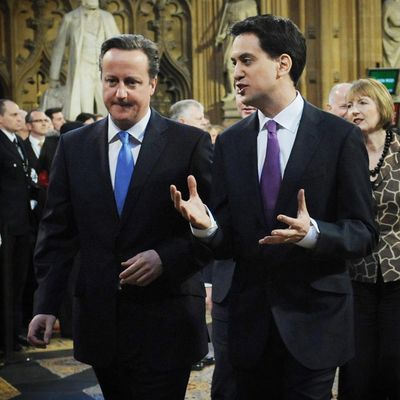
374	373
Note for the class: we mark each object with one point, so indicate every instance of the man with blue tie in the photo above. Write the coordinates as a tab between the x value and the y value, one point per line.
292	201
139	301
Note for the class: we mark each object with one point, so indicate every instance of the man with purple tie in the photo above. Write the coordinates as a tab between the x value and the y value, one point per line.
290	202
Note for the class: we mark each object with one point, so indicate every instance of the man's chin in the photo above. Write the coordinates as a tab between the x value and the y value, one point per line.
122	122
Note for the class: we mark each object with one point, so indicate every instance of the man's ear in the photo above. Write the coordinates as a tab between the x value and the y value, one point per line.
284	64
153	84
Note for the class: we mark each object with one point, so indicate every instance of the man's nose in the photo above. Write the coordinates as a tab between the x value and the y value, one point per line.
237	72
121	91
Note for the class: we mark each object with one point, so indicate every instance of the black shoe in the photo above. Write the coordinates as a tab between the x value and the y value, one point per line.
197	366
208	360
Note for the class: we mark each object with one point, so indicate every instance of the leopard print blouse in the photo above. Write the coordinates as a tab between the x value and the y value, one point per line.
386	193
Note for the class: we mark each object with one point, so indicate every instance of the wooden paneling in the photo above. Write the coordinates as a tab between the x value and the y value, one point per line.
344	38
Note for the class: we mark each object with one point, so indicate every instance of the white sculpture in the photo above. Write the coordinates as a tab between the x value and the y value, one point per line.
391	33
234	11
83	30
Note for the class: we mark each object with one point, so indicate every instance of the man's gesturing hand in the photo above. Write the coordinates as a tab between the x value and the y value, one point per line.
193	210
298	227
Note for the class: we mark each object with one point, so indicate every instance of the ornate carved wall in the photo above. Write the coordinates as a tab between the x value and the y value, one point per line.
343	36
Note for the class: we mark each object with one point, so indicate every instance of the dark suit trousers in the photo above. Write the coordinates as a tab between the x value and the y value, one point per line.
374	372
130	376
19	255
134	381
223	385
280	377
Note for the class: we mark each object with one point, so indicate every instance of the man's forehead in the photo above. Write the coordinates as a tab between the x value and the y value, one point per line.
11	107
38	114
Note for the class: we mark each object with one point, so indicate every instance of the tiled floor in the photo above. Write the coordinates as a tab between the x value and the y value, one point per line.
55	375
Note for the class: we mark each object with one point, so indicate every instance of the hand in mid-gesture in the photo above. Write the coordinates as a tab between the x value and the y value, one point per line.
298	227
193	209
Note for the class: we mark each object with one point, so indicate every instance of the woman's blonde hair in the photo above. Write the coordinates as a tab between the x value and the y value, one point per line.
379	94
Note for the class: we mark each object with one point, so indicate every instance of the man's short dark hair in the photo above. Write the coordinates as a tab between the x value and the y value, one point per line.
3	106
28	116
83	117
277	35
50	111
134	42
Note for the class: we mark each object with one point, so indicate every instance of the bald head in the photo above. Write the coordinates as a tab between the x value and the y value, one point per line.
337	99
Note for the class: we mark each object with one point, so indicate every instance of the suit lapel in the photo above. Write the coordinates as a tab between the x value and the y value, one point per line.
152	146
10	147
246	155
304	147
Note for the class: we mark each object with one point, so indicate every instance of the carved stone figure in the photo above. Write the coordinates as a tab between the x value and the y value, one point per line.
234	10
391	33
83	30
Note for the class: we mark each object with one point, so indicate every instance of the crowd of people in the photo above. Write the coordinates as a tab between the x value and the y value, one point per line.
288	221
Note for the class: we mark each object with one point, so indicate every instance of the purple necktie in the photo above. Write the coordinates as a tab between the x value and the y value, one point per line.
271	173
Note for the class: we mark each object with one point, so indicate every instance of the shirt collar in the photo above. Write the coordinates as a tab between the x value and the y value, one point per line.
289	117
10	135
136	131
34	140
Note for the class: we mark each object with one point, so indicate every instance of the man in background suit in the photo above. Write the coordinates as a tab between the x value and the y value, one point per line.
223	385
290	322
40	148
139	310
16	193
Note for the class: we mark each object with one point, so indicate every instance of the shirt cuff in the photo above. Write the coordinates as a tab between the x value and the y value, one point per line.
205	233
310	240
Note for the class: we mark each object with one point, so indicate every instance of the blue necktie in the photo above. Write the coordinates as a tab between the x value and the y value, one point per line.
124	171
271	173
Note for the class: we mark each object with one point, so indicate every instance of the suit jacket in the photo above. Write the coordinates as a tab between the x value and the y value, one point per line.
31	155
168	316
15	187
42	166
307	292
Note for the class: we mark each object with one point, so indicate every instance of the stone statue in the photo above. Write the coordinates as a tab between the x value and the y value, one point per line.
391	33
83	30
234	10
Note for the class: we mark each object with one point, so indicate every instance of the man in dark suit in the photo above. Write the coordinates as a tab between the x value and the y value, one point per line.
40	147
40	150
290	320
16	193
139	310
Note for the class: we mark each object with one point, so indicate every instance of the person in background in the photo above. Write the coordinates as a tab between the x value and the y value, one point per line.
23	131
223	385
18	197
374	372
337	103
139	314
57	119
244	110
288	220
86	118
214	131
189	112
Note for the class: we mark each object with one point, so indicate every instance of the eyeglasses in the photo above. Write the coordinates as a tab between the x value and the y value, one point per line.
38	120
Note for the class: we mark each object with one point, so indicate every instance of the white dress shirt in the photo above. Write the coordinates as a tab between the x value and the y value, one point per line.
136	135
36	145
